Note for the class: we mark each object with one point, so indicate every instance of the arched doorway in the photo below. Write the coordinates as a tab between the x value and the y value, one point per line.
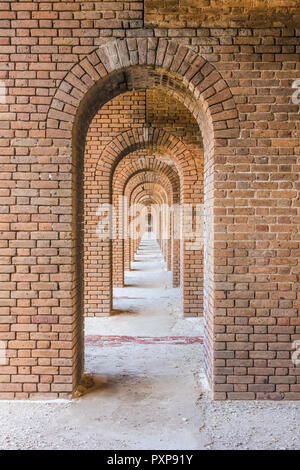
114	69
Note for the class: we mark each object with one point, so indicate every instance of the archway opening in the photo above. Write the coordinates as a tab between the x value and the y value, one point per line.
159	283
126	66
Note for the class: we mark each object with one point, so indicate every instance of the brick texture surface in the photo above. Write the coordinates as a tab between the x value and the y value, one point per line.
64	65
221	13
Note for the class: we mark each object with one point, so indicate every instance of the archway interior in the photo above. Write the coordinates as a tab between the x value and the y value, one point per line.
188	89
159	169
176	164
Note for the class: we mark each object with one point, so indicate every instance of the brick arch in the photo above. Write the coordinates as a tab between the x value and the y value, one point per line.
170	197
190	180
148	177
159	196
128	174
109	71
130	166
200	77
148	138
149	200
155	189
165	175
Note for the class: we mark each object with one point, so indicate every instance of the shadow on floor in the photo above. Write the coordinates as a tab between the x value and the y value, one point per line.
118	311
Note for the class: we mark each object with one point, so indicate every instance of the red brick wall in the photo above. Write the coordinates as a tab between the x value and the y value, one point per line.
221	13
251	188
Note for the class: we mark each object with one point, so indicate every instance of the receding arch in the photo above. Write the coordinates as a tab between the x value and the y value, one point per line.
114	69
190	77
127	174
127	168
148	138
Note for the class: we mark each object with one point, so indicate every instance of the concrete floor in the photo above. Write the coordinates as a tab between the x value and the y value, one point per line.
150	392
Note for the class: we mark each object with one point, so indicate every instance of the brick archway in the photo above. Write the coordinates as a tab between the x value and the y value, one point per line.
123	249
128	173
208	89
127	167
152	138
162	190
191	192
169	246
111	70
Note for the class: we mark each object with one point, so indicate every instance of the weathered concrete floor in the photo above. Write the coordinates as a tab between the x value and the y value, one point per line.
147	396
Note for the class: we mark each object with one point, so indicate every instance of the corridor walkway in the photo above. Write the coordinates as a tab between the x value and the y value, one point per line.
146	357
149	392
147	305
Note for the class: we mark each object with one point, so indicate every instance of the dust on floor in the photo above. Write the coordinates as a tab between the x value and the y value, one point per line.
147	394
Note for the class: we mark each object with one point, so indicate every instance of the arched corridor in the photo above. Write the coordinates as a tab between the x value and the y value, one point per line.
143	156
147	309
149	223
151	288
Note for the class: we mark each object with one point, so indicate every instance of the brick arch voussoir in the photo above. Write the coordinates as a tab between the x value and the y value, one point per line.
130	141
127	169
154	175
146	176
137	181
155	191
201	78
